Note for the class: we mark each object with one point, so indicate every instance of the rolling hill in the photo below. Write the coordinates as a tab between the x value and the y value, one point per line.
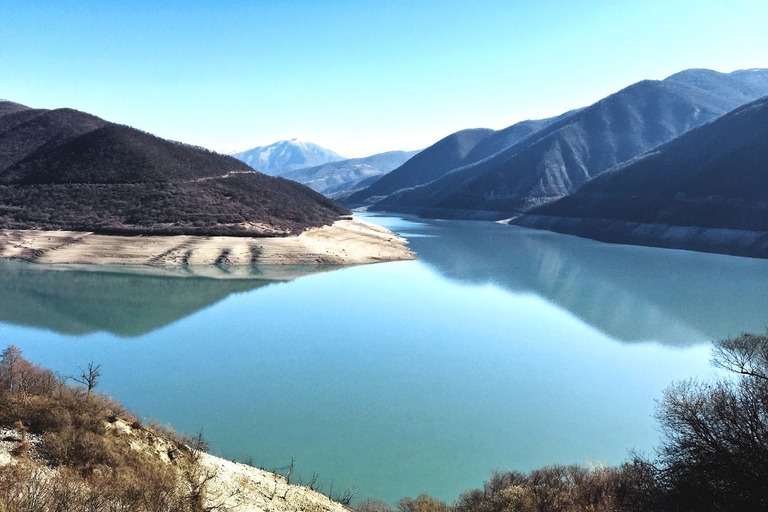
67	170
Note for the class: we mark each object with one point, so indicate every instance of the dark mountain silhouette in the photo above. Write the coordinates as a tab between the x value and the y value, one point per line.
64	169
712	180
285	156
559	158
347	176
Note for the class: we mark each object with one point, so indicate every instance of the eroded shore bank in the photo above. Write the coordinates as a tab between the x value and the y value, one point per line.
228	485
346	242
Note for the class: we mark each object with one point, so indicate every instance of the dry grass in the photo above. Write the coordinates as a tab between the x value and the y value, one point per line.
64	448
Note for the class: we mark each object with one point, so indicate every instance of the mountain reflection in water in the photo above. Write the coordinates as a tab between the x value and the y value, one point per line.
631	293
128	301
402	378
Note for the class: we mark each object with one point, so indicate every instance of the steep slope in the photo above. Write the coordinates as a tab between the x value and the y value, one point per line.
285	156
67	170
507	137
743	85
556	160
9	107
63	447
446	154
457	150
712	180
24	130
346	176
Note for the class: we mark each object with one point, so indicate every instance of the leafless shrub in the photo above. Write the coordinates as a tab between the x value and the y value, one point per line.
90	468
422	503
373	506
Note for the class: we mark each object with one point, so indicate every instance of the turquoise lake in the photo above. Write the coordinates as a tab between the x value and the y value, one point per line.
500	348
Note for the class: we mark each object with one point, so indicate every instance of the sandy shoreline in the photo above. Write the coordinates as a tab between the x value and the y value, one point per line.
346	242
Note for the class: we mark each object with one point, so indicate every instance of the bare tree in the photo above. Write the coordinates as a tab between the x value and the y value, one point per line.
313	482
90	377
348	495
715	435
288	478
747	355
8	362
199	477
290	470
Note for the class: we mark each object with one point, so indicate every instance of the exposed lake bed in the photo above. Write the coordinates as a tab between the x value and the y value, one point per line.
348	241
502	348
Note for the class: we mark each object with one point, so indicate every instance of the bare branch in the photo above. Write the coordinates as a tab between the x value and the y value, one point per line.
89	377
746	355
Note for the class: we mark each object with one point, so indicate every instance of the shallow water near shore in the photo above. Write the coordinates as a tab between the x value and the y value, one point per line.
501	348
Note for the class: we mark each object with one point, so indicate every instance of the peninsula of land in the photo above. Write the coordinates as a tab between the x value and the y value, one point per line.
348	241
76	189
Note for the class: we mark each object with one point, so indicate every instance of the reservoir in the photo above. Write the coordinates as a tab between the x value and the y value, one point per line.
500	348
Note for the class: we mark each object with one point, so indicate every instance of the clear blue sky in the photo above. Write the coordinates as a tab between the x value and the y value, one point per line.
358	77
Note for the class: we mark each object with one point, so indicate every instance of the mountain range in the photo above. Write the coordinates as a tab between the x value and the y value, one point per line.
319	168
344	177
680	162
452	152
496	174
67	170
286	155
705	190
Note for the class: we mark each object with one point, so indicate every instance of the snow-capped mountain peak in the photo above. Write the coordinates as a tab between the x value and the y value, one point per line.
286	155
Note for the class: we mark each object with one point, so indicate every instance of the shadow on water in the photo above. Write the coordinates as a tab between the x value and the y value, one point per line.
630	293
126	301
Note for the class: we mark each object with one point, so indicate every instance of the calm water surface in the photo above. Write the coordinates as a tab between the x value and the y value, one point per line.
501	348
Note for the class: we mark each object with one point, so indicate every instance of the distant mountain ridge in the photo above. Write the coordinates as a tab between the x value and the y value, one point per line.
705	190
426	166
452	152
285	156
67	170
343	177
559	155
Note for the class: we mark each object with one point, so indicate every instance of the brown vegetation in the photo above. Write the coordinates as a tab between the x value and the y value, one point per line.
63	449
81	459
70	455
67	170
551	489
239	205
